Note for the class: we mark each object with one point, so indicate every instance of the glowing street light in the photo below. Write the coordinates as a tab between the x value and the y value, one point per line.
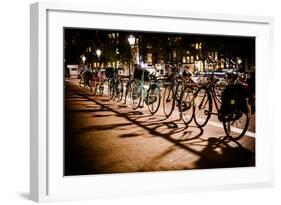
98	52
132	41
239	61
83	59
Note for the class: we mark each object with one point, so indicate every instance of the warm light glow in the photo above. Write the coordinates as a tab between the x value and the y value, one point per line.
131	40
239	61
83	59
98	52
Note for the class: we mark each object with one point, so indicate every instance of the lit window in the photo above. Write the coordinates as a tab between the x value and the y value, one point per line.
183	59
187	59
174	54
216	55
191	59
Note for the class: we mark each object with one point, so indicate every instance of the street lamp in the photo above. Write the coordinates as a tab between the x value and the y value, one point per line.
98	52
83	60
239	61
132	41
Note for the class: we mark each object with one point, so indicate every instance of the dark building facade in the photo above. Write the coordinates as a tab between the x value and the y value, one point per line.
193	50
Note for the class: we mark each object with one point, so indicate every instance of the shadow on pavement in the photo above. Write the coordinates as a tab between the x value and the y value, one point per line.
214	152
224	155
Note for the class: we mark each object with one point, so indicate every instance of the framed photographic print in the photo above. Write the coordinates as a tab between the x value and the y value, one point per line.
127	102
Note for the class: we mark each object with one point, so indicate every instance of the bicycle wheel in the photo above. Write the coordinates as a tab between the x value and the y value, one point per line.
101	88
153	98
111	90
168	101
136	94
94	87
186	106
179	89
81	83
202	106
237	127
119	90
128	90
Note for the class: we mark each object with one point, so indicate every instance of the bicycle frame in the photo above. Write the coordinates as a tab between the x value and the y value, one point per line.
98	82
144	89
128	88
235	123
211	88
113	84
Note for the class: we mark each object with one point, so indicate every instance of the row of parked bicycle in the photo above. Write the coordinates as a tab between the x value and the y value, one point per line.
194	97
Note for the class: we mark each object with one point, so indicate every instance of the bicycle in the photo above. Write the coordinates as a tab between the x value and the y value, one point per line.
186	102
115	86
179	93
146	93
235	123
86	79
98	82
172	92
128	89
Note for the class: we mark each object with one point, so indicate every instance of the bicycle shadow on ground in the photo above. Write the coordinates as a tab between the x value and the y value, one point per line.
144	116
213	152
225	153
217	153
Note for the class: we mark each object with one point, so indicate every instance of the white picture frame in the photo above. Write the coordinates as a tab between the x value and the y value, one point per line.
47	182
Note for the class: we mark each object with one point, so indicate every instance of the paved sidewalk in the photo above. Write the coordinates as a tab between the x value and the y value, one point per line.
104	136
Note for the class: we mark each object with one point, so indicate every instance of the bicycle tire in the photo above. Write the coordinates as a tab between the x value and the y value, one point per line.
179	89
151	95
168	97
128	90
186	105
203	98
136	95
119	90
101	88
94	87
81	83
240	127
111	90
